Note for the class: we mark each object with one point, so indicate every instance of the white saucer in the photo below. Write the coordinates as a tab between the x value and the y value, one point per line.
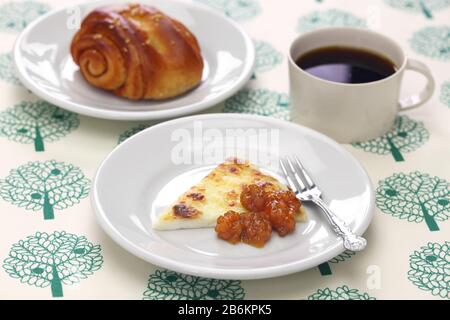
42	59
139	179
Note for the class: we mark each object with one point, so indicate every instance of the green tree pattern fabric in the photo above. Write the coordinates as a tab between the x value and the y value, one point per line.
130	132
267	57
416	197
170	285
45	186
341	293
53	259
36	122
239	10
425	7
328	18
433	42
7	72
259	101
430	269
16	15
325	268
405	136
445	93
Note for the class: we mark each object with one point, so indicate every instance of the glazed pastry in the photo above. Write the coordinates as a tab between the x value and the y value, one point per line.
137	52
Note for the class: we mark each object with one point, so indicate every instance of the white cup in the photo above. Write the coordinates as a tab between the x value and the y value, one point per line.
351	112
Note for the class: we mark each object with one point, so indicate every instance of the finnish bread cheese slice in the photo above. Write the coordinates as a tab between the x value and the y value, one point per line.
215	194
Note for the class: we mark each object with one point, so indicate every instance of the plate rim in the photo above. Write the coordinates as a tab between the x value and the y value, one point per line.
220	273
127	115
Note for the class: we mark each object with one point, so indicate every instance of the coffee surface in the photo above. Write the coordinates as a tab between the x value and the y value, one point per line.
346	64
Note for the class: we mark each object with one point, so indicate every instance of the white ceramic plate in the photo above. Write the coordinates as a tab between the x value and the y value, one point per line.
44	64
139	179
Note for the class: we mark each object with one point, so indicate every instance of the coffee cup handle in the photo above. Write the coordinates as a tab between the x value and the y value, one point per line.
420	98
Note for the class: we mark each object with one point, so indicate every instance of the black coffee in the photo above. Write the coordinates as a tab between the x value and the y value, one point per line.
346	65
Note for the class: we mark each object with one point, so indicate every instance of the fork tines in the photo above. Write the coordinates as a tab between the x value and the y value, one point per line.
296	175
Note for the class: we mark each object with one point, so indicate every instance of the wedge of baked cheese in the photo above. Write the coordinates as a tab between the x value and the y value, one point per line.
217	193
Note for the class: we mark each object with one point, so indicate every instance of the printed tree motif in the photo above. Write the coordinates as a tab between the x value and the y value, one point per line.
325	269
267	57
259	101
445	93
7	72
45	186
416	197
36	122
130	132
328	18
170	285
16	15
430	269
341	293
238	10
53	259
405	136
426	7
433	42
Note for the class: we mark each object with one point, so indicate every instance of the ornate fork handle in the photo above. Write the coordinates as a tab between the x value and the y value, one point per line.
352	241
306	190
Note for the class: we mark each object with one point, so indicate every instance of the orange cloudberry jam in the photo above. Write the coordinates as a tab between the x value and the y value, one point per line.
267	211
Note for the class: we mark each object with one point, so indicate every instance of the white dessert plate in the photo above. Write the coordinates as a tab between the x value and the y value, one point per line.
44	65
147	172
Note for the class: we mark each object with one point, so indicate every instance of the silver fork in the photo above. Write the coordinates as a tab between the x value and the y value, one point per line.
306	190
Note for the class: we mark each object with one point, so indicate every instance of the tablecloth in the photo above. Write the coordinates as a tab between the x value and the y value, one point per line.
52	248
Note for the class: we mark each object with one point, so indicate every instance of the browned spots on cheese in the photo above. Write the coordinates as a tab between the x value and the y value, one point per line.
233	170
231	198
183	211
197	196
214	177
233	195
232	165
264	184
238	161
